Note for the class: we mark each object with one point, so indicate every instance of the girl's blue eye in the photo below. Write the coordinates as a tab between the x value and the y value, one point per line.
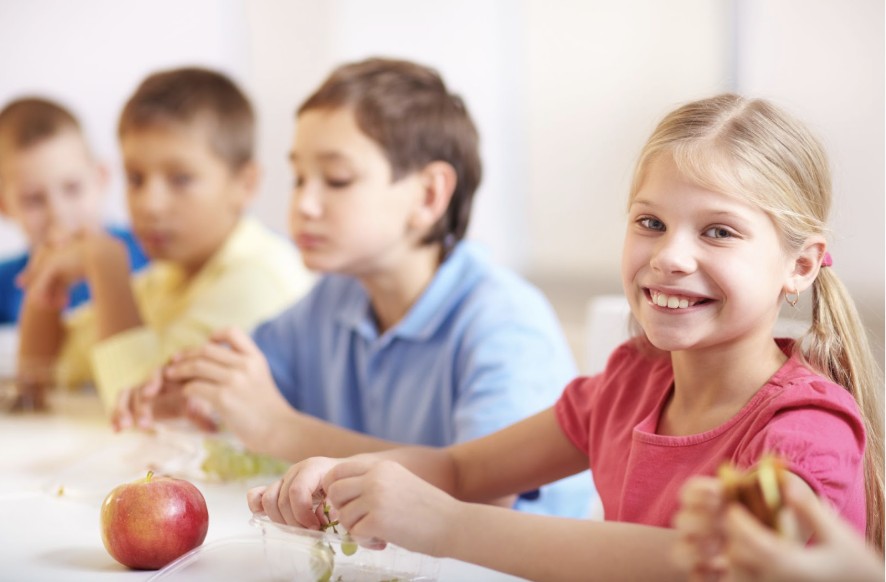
650	223
718	232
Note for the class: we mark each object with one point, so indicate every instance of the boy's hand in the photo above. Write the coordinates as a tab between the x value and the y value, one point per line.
157	399
231	374
54	267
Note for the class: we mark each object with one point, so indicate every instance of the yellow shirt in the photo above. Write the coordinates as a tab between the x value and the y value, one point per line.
251	278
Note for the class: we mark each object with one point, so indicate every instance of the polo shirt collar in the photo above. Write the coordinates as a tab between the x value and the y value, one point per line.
455	277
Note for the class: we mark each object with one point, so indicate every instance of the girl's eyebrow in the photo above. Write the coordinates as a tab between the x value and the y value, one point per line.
642	202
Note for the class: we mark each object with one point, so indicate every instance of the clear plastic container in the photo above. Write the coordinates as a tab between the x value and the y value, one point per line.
285	553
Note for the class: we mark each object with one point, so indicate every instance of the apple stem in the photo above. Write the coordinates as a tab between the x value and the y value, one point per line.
148	478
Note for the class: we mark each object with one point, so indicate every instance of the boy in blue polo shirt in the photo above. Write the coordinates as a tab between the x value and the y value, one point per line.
412	335
50	184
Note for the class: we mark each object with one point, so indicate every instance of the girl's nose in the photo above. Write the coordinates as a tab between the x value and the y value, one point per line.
674	254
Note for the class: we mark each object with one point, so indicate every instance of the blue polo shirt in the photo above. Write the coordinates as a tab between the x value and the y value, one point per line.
479	350
11	295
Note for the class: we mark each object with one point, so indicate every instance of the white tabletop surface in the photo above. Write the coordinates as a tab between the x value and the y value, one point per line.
55	469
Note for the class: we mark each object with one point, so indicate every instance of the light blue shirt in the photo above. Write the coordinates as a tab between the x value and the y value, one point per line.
479	350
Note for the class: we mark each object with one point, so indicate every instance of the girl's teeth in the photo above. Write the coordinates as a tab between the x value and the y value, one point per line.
670	302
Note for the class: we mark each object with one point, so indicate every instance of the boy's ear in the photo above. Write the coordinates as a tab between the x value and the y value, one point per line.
438	181
807	263
104	175
248	179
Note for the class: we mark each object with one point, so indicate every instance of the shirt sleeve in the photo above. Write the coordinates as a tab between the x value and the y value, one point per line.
278	340
822	446
573	411
508	374
241	296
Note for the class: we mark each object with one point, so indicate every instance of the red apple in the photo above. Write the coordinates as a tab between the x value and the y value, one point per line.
150	522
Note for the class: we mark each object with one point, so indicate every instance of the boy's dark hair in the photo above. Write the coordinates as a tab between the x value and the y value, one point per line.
30	120
407	109
190	95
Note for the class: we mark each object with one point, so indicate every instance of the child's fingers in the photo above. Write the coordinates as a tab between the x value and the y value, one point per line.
269	501
705	493
198	367
345	470
203	390
750	542
201	414
698	560
221	354
253	499
239	340
816	515
121	417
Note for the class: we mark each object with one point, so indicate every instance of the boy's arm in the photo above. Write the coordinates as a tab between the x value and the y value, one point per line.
108	274
50	272
41	333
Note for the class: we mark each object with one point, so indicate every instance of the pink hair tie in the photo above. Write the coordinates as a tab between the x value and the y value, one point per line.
826	260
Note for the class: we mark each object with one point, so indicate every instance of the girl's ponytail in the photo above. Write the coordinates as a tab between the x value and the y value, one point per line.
837	346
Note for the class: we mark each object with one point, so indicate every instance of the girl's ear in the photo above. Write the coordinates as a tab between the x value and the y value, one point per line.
807	263
438	181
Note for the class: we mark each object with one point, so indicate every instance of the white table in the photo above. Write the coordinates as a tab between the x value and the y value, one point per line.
47	536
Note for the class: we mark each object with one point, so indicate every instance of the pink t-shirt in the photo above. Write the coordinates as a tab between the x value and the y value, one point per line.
811	422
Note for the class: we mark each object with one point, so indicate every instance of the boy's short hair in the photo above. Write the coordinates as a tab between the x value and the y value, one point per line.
194	95
29	120
407	109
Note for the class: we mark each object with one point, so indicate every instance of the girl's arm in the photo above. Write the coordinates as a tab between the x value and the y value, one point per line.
546	548
380	500
522	457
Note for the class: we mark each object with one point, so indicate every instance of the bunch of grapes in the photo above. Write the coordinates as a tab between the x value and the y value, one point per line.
227	462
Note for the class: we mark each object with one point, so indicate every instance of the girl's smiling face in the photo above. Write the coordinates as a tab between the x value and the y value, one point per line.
700	269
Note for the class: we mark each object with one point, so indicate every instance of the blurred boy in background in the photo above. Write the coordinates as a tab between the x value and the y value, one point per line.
50	185
187	139
412	335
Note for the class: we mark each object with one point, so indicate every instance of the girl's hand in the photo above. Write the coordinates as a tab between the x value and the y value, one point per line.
836	553
158	399
381	500
297	498
700	547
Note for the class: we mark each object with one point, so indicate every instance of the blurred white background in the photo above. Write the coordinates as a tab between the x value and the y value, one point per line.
564	92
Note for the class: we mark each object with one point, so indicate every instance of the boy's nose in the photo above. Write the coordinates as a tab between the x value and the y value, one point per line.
306	202
62	216
151	197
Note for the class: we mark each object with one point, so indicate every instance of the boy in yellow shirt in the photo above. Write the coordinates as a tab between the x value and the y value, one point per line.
187	138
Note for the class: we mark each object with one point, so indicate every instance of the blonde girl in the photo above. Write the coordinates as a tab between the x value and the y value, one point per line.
726	221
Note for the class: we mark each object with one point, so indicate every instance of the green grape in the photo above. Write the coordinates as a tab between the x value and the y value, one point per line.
322	561
225	461
348	545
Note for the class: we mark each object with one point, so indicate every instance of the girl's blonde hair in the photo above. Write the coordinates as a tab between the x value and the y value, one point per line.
750	148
